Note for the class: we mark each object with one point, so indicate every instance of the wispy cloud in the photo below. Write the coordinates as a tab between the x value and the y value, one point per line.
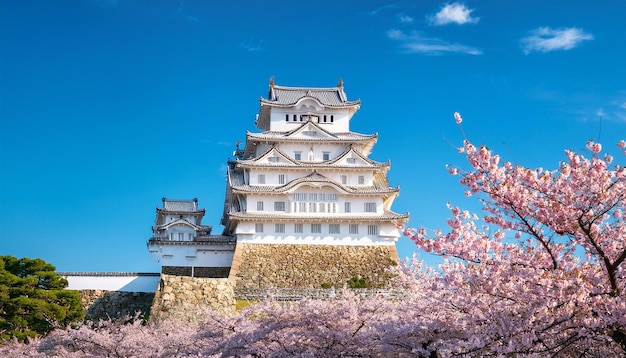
415	42
546	39
455	13
405	19
252	45
376	11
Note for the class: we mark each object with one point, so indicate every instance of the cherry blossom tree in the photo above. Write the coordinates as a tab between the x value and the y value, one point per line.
542	272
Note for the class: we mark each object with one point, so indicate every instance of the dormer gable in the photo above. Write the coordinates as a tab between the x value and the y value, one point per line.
272	156
310	130
353	157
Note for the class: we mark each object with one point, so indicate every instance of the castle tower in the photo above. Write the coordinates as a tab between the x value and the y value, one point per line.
307	206
185	247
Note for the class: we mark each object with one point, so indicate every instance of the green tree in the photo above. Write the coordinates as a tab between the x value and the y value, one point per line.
33	299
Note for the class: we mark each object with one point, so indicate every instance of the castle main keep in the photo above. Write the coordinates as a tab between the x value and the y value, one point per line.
305	206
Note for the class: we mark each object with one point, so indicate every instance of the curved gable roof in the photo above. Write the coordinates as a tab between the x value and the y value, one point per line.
326	96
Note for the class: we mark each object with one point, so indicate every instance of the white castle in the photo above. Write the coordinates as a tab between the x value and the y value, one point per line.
305	181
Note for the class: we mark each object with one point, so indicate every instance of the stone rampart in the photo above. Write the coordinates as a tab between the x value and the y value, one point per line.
188	298
310	266
102	304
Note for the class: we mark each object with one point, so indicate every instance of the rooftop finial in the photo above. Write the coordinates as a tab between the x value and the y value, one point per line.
340	84
272	81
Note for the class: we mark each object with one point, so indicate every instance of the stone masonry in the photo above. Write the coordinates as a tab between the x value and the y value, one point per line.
187	298
310	266
101	304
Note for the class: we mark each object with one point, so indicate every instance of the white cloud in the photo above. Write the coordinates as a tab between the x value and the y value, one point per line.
405	18
545	39
455	13
416	43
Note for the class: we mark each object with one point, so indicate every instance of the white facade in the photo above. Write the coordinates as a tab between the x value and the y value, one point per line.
307	179
180	239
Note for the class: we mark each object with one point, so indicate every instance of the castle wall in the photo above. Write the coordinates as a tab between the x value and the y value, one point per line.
310	266
103	304
187	298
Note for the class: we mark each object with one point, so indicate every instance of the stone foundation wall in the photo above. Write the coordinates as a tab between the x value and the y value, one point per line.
187	298
310	266
101	304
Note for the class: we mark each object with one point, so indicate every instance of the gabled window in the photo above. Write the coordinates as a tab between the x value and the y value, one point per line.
279	206
273	159
351	160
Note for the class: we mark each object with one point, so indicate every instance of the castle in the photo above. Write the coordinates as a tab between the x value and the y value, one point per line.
304	205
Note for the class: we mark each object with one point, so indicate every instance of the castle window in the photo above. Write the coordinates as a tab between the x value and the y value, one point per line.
346	207
297	155
259	206
353	228
334	229
295	118
181	236
298	228
370	207
287	117
273	159
316	228
280	228
322	207
372	229
281	178
261	179
324	118
332	119
279	206
258	227
326	156
344	179
361	179
312	207
351	160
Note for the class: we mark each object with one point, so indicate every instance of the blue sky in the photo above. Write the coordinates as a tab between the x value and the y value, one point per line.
107	106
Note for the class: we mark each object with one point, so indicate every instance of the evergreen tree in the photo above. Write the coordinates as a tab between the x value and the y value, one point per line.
33	299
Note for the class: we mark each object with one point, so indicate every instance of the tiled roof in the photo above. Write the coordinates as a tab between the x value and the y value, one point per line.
330	97
337	137
292	163
180	205
315	177
280	216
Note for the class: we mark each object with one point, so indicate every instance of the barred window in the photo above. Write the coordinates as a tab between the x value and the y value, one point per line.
280	228
279	206
370	207
351	160
361	179
281	178
344	179
372	229
261	179
259	206
347	207
258	227
273	159
298	228
334	229
353	228
316	228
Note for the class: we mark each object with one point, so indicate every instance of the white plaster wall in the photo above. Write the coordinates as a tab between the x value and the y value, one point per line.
201	255
114	283
341	120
